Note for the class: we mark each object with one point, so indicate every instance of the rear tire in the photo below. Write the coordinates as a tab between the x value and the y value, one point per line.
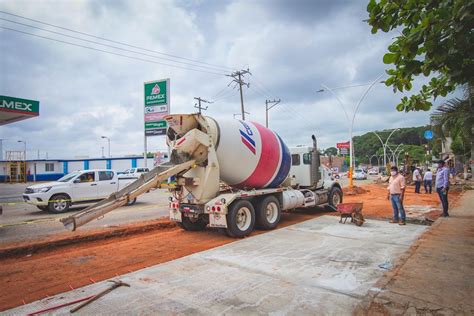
192	224
240	219
59	203
268	213
335	197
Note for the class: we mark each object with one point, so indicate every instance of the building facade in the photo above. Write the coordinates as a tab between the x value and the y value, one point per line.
53	169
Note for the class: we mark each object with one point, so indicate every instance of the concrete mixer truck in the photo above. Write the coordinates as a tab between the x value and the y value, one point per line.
231	174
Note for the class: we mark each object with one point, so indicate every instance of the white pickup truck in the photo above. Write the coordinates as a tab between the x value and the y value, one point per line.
77	188
133	173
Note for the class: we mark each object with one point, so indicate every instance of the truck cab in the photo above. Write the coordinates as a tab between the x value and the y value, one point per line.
303	169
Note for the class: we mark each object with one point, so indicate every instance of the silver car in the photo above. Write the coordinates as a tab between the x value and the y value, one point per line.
359	174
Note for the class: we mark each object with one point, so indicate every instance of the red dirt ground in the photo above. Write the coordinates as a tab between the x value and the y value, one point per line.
376	203
50	271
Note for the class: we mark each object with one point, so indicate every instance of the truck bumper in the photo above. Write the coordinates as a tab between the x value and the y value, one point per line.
35	199
175	215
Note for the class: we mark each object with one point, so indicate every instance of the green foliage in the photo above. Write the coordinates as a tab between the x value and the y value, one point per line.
436	39
412	137
455	119
331	151
416	153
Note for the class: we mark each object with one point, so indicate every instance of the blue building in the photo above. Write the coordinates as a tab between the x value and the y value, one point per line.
53	169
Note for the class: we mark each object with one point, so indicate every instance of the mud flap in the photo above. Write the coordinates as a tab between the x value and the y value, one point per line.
175	216
217	220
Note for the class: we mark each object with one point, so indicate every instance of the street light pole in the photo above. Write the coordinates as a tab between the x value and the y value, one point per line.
394	152
108	141
384	145
24	150
351	123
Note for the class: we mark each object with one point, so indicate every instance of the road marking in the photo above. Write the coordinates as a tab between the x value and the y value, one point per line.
32	221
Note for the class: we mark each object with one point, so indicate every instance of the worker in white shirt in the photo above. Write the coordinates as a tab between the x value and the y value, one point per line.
417	179
428	181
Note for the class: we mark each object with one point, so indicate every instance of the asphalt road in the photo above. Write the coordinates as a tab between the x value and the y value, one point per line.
21	221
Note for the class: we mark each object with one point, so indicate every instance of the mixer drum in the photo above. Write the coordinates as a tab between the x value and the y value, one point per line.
251	155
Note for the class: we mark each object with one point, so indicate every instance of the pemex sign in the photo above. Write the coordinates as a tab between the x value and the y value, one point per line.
15	109
17	105
157	103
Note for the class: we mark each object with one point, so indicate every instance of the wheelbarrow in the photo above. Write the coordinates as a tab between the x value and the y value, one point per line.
352	211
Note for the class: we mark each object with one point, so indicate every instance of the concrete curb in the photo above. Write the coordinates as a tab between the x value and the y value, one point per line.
36	246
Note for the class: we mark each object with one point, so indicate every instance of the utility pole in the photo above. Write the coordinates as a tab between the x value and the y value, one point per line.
267	108
237	75
198	106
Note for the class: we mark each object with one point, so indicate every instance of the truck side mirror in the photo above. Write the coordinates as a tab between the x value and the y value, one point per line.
77	180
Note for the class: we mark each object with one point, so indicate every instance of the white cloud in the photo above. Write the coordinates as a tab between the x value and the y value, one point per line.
292	48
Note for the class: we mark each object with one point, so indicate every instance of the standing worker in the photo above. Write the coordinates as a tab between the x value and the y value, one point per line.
417	179
428	181
396	192
442	185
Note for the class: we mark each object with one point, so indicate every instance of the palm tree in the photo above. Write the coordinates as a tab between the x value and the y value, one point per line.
455	119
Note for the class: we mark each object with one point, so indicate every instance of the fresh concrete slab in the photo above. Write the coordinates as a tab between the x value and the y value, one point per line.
315	267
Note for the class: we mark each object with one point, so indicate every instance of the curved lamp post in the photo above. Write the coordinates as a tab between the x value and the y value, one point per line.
351	121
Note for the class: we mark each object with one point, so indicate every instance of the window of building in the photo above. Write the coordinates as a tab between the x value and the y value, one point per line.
49	167
307	158
295	160
106	175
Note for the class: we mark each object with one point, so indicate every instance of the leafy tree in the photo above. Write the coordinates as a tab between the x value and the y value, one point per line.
414	142
455	119
436	39
331	151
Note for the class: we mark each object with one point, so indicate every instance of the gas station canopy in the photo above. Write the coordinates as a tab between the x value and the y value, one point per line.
16	109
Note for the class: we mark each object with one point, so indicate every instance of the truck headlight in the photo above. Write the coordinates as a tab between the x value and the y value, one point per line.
42	190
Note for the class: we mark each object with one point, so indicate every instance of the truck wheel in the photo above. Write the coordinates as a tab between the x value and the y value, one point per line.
130	203
59	203
240	219
268	213
192	224
335	197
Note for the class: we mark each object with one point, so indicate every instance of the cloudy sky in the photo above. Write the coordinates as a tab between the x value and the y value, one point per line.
290	47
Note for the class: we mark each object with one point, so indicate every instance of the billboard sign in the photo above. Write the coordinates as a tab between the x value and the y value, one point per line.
343	145
15	109
17	105
157	105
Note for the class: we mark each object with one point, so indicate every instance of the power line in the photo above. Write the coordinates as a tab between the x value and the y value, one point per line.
111	46
108	52
116	42
264	88
259	91
220	92
226	95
